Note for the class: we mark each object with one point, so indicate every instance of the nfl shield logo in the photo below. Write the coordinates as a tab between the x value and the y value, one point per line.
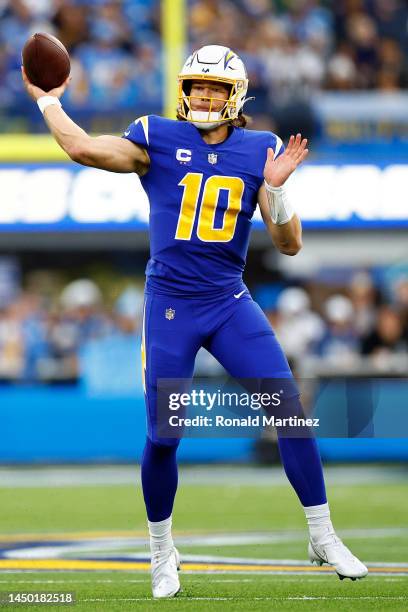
170	313
212	158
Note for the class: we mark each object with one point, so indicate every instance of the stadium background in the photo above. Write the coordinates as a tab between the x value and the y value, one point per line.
73	247
74	241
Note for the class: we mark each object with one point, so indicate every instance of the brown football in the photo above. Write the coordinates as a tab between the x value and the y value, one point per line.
46	61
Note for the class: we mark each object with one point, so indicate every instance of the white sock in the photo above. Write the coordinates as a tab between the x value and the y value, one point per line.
161	539
320	526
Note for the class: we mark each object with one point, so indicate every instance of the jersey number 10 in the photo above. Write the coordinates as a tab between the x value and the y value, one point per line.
209	200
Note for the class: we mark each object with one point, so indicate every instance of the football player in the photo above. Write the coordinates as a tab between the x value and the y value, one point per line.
204	174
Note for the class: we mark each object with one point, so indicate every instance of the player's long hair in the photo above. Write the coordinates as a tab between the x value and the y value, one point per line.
240	122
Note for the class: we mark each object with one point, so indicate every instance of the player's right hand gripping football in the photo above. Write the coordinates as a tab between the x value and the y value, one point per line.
36	92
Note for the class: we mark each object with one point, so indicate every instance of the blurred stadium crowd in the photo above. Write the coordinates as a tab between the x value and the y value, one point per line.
43	337
291	47
114	48
360	329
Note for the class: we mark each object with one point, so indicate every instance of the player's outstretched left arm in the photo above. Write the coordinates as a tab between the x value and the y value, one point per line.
282	223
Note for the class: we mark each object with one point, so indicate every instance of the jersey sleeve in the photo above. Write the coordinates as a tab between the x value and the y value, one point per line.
138	131
277	145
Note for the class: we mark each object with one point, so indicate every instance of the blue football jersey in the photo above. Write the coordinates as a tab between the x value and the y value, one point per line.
202	198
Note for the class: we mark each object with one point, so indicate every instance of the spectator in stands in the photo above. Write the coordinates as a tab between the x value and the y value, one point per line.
362	33
71	24
33	328
341	69
82	319
363	297
339	345
401	300
146	75
108	67
11	342
388	336
128	311
298	328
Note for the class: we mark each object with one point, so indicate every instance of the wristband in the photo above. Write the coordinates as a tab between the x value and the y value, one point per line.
279	205
46	101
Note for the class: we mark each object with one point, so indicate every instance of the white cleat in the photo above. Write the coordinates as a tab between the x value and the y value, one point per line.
165	580
335	553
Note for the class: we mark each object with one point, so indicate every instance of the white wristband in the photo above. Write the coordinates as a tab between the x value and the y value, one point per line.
46	101
279	205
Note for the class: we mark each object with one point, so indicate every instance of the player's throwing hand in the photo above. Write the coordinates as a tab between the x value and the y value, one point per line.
36	92
278	170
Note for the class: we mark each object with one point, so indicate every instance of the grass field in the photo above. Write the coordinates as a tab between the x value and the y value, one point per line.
224	532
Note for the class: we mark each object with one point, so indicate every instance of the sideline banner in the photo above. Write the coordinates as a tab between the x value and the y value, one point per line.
65	197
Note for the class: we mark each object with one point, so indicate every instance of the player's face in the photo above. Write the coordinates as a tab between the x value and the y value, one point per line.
202	92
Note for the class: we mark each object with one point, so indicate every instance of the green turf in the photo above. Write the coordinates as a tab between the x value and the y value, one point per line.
131	591
384	549
198	508
223	509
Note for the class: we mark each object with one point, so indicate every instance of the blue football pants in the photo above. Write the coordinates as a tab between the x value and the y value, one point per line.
237	333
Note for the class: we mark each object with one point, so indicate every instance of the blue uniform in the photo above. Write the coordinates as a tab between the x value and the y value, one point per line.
202	199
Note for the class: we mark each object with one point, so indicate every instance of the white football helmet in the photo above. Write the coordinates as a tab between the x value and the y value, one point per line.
212	63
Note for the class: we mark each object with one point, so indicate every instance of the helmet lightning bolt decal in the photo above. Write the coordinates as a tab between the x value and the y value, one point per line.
228	57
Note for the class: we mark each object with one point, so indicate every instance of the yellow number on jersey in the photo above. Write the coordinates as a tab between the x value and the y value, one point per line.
205	228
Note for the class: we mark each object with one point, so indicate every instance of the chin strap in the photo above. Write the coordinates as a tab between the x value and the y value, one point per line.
206	126
279	205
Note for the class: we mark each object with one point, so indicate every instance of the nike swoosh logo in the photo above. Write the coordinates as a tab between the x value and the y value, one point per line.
238	295
127	133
